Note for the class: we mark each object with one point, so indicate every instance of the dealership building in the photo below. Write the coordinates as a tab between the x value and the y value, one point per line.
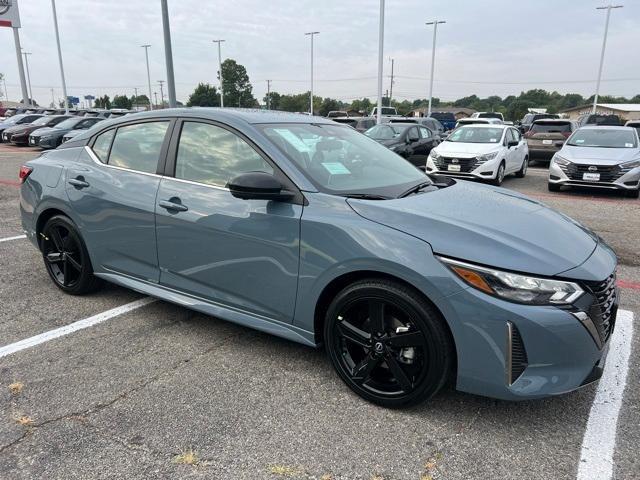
626	111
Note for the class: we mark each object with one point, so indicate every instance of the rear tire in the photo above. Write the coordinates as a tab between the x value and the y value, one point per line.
523	170
388	343
66	258
553	187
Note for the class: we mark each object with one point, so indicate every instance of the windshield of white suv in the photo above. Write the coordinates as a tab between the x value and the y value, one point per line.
603	138
473	134
339	160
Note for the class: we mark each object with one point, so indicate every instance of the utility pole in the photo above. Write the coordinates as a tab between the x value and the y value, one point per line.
391	86
220	71
380	61
64	83
161	82
23	79
156	95
311	34
433	60
26	62
171	83
604	45
6	92
146	54
268	94
135	99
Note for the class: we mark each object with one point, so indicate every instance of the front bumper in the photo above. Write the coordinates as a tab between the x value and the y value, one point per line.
610	179
50	142
21	139
469	167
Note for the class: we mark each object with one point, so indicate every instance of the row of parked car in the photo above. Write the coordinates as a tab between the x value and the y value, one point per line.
488	149
48	128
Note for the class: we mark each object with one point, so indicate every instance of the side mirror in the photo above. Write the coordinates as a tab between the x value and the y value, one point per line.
258	186
513	143
412	138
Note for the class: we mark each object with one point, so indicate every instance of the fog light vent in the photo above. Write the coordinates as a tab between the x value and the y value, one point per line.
516	354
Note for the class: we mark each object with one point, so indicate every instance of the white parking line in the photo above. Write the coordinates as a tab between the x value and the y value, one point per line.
73	327
8	239
598	444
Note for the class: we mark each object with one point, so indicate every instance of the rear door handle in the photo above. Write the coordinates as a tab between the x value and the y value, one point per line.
176	207
78	182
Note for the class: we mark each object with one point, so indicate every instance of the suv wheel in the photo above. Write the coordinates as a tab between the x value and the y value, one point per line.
387	343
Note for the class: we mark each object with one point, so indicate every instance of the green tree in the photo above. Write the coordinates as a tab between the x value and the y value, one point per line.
204	95
327	105
237	89
102	102
141	101
121	101
519	109
363	105
273	102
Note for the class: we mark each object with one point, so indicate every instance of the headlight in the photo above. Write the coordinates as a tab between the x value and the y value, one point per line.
435	155
560	160
515	287
633	164
487	156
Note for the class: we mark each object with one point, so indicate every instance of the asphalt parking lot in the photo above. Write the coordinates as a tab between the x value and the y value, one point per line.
160	391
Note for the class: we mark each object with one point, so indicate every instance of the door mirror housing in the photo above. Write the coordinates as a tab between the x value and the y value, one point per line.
258	186
412	138
513	143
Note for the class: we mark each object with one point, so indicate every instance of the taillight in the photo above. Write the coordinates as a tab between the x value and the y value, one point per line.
24	173
529	134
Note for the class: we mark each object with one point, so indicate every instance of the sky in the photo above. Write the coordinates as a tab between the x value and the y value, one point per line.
486	47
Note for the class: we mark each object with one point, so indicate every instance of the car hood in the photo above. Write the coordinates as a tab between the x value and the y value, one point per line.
600	156
467	149
487	225
17	129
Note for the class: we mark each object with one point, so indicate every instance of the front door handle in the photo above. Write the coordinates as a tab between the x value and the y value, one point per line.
78	182
173	206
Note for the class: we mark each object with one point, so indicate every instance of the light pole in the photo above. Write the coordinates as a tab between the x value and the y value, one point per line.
220	71
604	45
26	63
161	82
6	92
146	54
268	94
391	83
156	95
64	83
433	60
171	83
135	99
312	34
380	66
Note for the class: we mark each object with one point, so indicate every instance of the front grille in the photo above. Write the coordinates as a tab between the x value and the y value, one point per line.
604	308
466	164
608	173
517	355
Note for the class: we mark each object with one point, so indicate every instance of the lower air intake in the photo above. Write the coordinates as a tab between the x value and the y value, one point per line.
516	354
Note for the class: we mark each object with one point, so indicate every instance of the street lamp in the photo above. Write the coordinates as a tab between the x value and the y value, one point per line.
161	82
26	62
380	66
604	44
64	83
171	83
146	54
433	61
220	71
311	34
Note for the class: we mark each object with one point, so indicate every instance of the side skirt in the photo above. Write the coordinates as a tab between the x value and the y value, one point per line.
263	324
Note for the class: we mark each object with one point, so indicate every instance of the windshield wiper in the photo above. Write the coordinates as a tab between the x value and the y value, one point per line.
415	189
365	196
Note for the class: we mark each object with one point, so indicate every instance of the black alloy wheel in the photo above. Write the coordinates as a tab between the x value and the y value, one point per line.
388	343
65	257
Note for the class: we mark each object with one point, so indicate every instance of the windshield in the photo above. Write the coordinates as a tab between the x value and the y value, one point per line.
490	115
42	121
69	123
385	132
476	135
604	138
342	161
14	119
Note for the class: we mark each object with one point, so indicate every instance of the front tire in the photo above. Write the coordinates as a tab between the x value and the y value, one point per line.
553	187
387	343
66	258
499	175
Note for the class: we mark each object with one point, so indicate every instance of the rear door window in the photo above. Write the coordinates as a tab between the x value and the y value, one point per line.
102	145
137	147
425	132
551	127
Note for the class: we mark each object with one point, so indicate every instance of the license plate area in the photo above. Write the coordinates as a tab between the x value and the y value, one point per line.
453	168
547	142
591	177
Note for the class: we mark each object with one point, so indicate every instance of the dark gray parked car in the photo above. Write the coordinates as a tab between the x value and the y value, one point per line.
52	137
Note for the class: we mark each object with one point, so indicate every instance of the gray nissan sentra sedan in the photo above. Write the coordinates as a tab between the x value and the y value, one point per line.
306	229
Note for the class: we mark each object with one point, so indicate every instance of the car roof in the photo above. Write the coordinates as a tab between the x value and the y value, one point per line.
591	126
487	125
252	116
547	120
